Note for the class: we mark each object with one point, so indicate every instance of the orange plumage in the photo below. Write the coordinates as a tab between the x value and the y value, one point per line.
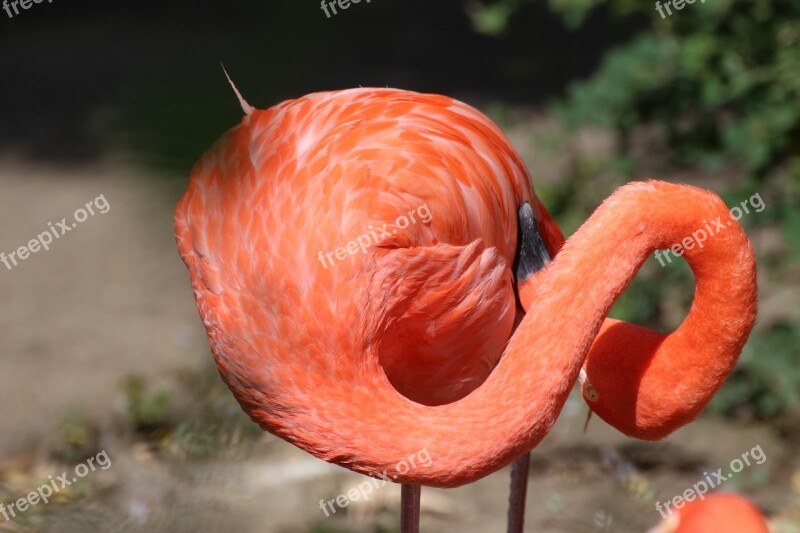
367	359
720	511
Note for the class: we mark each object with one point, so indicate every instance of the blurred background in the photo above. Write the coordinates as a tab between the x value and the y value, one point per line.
101	347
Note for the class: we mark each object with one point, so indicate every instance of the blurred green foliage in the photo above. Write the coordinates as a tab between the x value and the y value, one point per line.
215	426
721	76
147	412
208	424
80	437
721	80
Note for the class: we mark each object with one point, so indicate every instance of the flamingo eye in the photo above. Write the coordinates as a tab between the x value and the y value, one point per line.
590	392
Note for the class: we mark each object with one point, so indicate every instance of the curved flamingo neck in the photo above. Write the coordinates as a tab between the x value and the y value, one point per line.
517	405
664	381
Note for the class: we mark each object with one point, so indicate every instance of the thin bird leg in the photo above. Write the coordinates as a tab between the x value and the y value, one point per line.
409	508
519	489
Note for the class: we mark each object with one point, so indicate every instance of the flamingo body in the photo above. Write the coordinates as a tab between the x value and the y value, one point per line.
409	344
312	175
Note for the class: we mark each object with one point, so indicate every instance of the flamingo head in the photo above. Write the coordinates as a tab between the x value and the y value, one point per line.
620	386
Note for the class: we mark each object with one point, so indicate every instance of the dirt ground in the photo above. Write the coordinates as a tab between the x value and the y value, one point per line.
101	349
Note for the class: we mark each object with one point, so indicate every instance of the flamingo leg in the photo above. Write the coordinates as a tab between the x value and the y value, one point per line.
409	508
519	489
532	256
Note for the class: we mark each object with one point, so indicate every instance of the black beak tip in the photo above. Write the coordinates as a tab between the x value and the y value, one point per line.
532	254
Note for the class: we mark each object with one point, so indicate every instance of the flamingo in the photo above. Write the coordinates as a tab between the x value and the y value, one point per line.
720	511
417	342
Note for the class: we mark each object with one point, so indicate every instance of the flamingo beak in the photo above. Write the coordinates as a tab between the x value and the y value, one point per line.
588	417
582	380
531	256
